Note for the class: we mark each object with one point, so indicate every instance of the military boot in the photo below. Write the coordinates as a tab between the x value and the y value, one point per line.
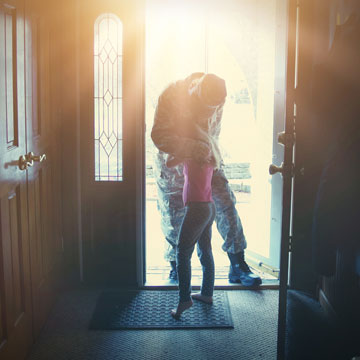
240	271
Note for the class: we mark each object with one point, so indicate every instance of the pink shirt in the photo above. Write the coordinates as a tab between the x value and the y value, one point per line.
197	185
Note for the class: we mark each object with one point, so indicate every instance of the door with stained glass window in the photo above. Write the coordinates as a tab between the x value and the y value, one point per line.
110	92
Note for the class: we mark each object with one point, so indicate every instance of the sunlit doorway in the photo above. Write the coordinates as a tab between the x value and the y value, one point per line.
244	43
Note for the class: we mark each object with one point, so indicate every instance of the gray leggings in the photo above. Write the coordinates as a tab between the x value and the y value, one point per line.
196	228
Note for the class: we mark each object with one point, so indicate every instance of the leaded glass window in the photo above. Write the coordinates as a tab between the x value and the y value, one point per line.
108	137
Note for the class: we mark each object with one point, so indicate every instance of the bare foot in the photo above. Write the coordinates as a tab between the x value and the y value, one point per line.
182	306
203	298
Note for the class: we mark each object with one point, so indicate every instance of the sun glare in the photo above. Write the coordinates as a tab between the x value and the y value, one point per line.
236	41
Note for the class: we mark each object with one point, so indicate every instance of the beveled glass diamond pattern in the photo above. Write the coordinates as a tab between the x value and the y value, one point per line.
103	139
108	52
103	56
108	143
108	97
107	47
107	71
113	139
108	148
112	56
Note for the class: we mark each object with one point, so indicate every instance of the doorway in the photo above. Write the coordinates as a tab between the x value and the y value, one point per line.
244	42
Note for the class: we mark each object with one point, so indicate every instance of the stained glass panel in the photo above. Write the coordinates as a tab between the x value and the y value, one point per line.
108	98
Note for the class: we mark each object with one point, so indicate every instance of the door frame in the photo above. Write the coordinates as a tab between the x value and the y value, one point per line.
278	125
140	182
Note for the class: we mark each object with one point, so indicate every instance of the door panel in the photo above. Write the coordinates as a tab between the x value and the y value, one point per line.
15	290
15	280
45	252
41	137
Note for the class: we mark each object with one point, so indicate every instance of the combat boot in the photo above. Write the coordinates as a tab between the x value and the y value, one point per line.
240	271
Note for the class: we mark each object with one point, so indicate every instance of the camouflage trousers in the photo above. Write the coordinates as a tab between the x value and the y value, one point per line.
172	211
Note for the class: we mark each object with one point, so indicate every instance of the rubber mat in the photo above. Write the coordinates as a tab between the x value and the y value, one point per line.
148	309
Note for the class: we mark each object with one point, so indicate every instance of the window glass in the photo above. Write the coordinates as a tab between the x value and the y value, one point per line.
108	137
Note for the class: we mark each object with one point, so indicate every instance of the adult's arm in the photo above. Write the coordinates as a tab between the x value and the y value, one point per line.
215	126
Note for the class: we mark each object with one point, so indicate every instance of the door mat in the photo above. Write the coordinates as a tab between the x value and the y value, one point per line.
148	309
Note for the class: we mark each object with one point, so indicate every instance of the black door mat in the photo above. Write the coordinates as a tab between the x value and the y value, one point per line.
149	309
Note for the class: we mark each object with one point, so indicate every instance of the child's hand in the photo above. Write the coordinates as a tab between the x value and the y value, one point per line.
201	152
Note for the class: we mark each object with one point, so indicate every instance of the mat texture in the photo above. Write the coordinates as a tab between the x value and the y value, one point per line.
146	309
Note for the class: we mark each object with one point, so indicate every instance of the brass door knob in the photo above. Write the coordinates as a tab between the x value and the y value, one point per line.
23	162
273	169
284	170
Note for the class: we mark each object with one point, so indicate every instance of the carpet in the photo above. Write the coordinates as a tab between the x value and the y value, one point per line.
148	309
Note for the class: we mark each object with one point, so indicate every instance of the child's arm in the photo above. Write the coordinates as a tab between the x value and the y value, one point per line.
173	161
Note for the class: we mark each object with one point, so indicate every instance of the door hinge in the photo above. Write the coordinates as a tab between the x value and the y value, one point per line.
288	140
290	243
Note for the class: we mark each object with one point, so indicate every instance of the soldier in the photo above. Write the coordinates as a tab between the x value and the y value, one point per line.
197	98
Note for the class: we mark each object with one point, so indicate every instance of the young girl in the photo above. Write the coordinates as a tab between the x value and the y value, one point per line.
196	225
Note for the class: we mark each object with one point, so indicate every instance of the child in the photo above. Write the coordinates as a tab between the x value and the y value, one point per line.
196	225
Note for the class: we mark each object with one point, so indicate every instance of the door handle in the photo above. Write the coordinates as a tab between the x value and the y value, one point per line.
283	170
23	162
273	169
31	157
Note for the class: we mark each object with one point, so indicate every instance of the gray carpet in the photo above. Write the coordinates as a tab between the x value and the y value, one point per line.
149	309
66	334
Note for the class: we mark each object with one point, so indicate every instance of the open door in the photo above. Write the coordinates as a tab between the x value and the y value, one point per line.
287	139
15	282
30	188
